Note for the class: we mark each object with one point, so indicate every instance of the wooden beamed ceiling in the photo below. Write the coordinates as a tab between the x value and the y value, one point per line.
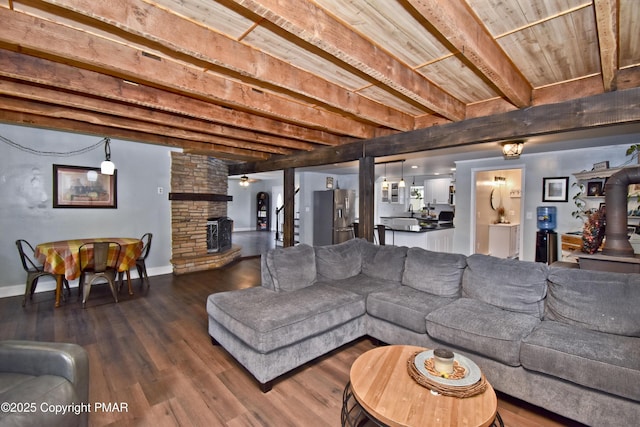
267	83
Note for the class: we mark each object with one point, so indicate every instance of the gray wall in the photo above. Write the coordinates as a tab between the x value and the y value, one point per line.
26	210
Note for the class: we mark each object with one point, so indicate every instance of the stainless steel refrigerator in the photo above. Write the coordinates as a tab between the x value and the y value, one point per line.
333	216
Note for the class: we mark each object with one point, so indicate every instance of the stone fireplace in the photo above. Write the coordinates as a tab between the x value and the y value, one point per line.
198	193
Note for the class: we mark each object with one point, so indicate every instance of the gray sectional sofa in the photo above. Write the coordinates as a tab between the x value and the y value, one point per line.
564	339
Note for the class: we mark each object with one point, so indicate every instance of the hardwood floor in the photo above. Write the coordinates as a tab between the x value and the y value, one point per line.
254	243
152	352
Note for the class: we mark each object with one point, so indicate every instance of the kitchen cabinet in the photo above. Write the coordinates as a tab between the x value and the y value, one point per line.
434	240
436	191
504	240
440	240
393	194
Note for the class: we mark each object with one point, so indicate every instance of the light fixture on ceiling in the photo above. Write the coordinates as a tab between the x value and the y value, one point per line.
107	167
244	181
512	150
402	184
385	183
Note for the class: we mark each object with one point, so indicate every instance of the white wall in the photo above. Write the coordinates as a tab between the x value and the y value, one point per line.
316	181
26	212
242	209
536	167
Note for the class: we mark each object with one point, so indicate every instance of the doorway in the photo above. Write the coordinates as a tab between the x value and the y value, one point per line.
498	204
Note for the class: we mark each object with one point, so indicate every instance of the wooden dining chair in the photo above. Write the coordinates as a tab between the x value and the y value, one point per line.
34	270
94	264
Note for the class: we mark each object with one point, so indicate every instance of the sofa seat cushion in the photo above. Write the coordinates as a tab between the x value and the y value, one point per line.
362	284
510	284
438	273
383	262
266	320
598	300
292	267
43	389
340	261
482	328
597	360
405	306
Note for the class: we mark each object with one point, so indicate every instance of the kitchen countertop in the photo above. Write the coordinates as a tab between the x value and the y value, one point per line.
418	229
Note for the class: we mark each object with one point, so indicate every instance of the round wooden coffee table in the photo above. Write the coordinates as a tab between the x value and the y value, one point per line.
381	390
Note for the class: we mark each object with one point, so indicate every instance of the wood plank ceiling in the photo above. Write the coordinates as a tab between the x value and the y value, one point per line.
260	80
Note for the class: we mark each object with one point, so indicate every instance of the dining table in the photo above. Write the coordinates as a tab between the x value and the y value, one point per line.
61	257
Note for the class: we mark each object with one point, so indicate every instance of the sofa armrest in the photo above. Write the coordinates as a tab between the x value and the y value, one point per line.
48	358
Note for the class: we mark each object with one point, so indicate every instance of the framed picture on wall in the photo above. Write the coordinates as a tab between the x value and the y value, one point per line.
594	188
83	187
555	189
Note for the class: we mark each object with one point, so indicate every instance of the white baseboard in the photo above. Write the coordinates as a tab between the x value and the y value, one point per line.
47	284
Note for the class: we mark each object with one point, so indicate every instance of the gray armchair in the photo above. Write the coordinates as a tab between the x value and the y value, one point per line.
36	376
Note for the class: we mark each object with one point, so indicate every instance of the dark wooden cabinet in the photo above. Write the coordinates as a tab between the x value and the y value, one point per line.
263	214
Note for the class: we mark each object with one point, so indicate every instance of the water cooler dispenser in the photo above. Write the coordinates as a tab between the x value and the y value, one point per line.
546	237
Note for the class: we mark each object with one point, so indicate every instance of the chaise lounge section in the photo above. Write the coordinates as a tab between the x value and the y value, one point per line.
563	339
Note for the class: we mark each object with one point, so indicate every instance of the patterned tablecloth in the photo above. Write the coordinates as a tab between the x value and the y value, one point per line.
62	257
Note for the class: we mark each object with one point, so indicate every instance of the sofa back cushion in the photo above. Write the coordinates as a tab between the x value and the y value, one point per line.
265	274
383	262
510	284
437	273
341	261
292	268
597	300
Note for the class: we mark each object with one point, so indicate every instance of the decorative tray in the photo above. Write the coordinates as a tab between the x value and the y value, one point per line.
472	371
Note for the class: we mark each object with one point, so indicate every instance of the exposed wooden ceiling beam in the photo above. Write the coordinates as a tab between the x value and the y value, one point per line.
607	24
312	24
620	107
52	40
58	111
73	126
455	20
188	38
94	104
42	71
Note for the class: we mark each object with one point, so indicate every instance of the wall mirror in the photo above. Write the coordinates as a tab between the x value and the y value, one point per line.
496	198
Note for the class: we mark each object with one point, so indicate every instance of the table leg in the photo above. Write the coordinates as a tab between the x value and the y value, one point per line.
498	421
352	414
129	282
58	288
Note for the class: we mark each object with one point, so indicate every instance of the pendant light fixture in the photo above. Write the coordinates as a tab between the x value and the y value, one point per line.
244	181
402	184
107	167
385	183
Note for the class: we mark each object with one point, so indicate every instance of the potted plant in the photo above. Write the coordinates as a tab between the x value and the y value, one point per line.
580	211
593	232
